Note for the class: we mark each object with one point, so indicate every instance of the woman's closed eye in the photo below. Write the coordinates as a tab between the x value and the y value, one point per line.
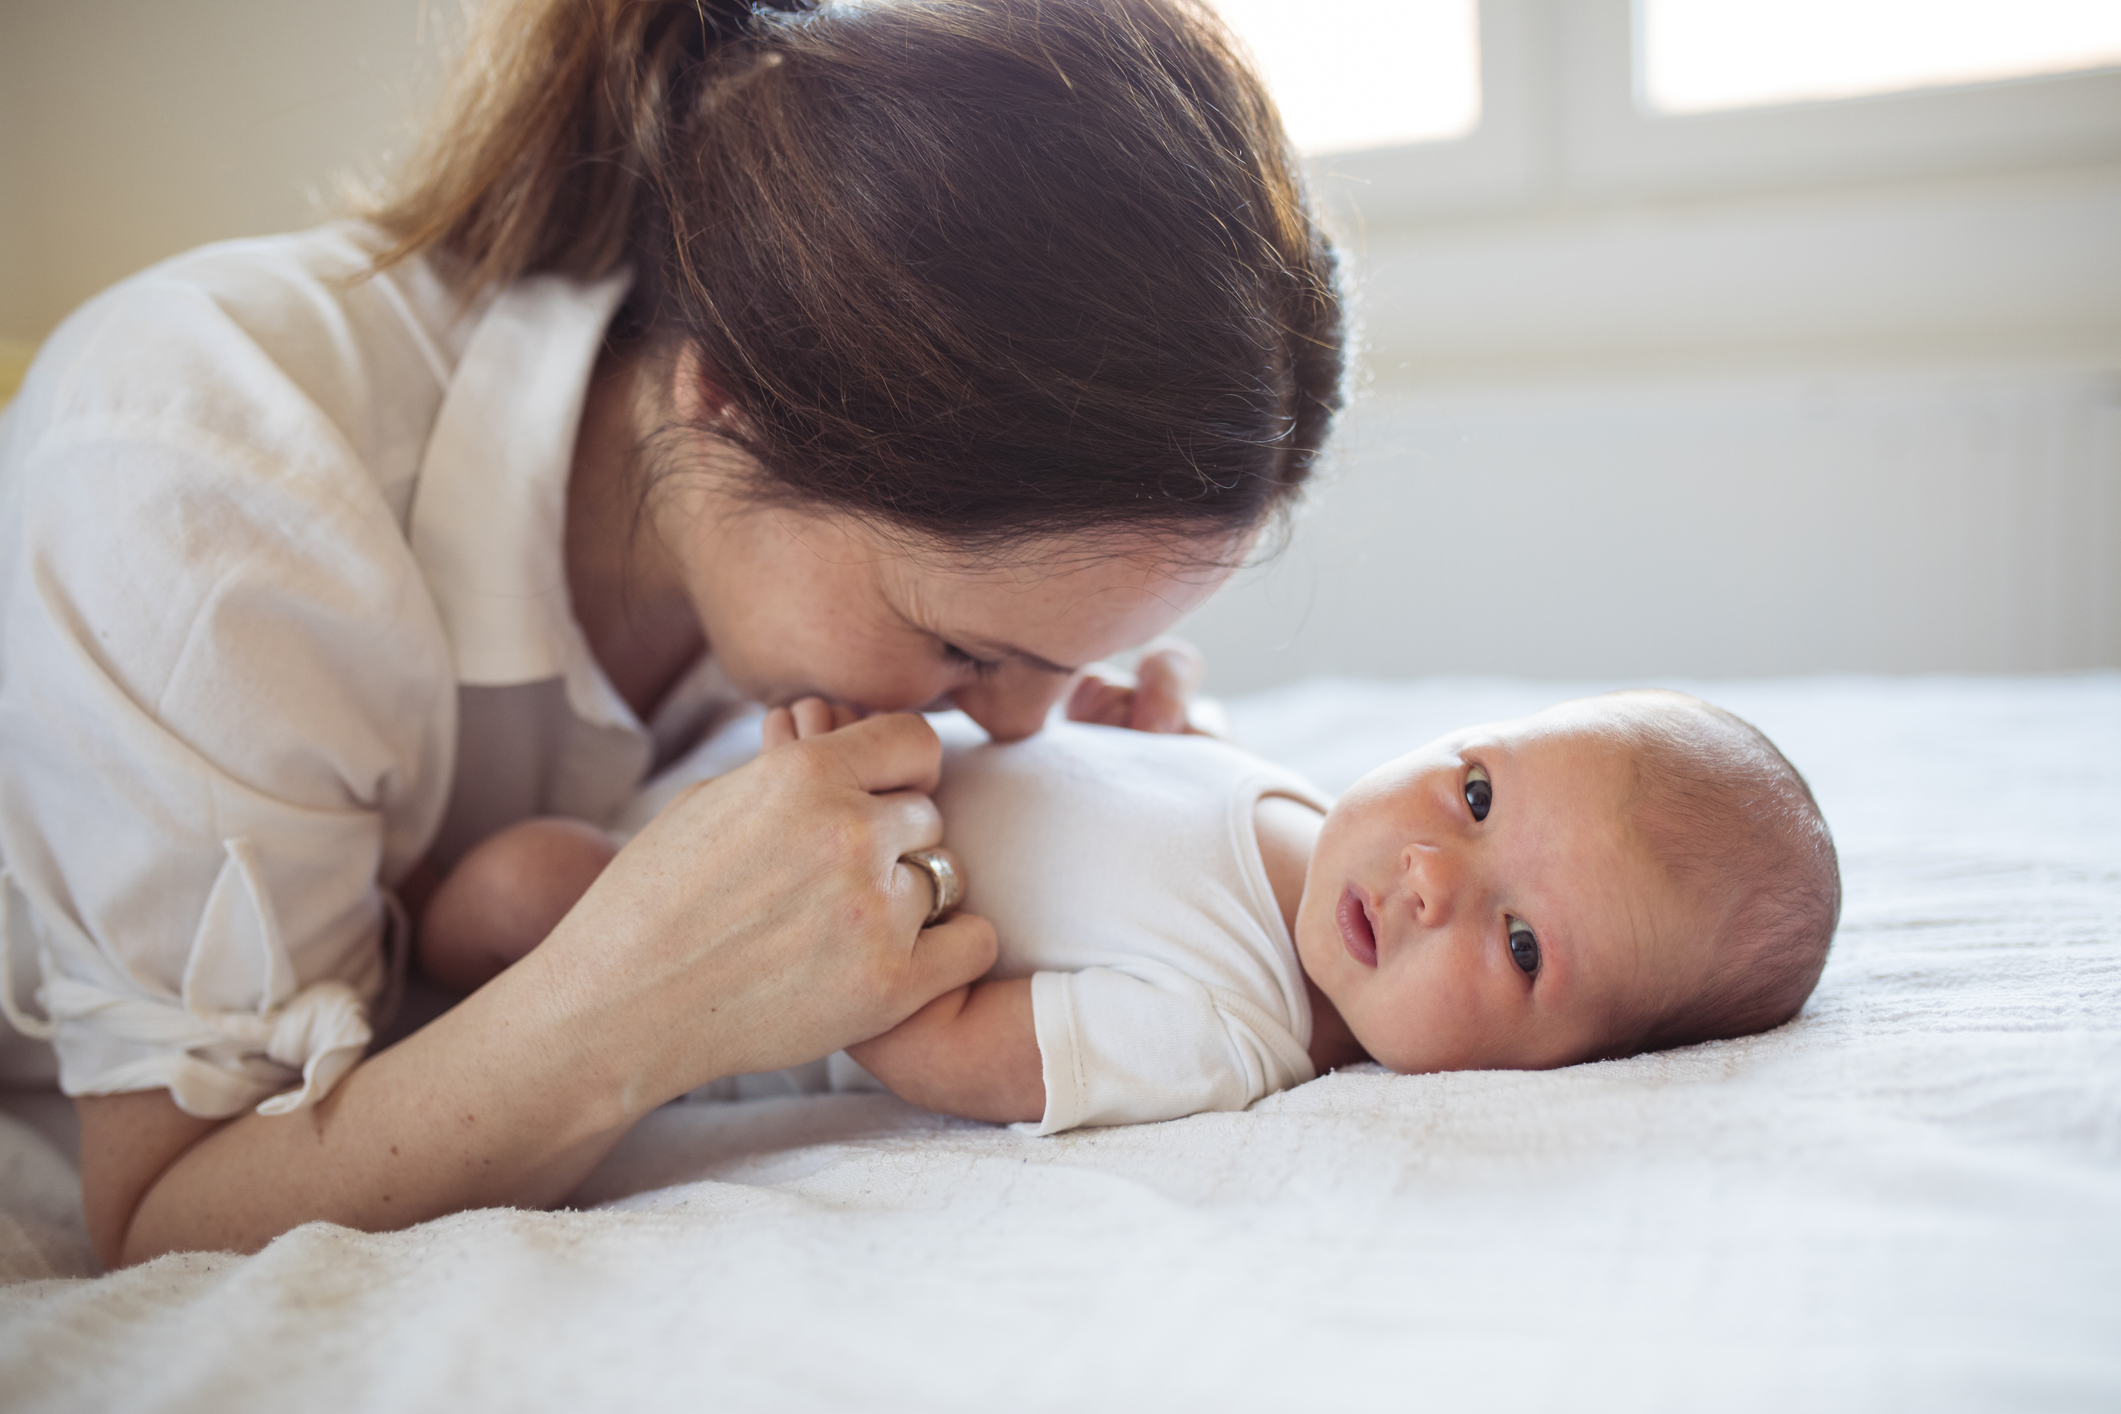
959	658
1480	792
1524	947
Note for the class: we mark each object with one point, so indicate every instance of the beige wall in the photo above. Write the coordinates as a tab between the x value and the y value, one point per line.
131	129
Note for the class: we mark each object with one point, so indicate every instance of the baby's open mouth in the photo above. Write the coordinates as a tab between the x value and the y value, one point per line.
1356	930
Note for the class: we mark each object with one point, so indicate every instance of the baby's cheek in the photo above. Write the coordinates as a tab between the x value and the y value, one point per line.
1437	1025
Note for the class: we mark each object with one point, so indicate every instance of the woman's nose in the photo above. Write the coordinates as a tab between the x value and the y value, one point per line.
1013	704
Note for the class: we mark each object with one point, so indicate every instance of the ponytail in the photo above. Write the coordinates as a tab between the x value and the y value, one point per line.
553	132
982	270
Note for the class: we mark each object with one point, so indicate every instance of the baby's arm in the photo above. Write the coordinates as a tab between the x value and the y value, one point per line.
505	896
972	1052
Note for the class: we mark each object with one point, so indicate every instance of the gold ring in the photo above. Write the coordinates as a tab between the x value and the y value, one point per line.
942	873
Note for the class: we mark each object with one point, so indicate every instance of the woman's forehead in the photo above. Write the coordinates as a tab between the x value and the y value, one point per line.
1084	553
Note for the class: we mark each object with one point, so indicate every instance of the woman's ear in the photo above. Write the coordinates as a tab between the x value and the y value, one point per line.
696	393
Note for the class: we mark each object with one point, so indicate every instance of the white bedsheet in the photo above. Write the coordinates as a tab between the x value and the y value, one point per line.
1909	1198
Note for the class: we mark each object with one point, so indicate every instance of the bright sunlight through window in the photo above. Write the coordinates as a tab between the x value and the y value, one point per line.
1350	74
1701	55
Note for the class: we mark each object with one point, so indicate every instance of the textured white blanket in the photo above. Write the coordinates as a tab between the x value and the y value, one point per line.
1908	1198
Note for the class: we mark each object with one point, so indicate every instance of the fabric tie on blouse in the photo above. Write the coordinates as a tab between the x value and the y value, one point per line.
239	1029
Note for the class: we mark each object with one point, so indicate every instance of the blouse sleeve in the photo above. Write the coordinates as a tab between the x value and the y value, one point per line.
226	720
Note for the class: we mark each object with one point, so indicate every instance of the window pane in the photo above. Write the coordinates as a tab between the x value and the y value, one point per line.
1366	73
1701	55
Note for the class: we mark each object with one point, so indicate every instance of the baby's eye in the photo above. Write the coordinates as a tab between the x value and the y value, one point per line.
1524	948
1479	794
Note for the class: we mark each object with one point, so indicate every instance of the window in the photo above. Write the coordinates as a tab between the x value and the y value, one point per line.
1699	56
1351	74
1592	102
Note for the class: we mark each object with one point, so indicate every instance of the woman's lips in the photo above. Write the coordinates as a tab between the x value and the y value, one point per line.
1357	933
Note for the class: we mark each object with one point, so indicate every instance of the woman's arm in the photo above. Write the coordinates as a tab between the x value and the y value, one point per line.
760	921
496	1103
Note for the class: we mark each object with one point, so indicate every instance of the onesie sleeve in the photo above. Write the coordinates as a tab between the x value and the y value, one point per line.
1149	1042
226	717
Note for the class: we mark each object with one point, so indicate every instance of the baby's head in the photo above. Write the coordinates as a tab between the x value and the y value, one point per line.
1613	875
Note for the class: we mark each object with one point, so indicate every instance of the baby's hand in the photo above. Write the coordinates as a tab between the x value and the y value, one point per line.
1154	698
809	717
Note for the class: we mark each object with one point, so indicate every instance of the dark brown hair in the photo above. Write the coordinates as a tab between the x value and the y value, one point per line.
978	270
1736	828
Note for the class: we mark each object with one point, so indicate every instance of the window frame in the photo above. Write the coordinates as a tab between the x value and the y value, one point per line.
1564	122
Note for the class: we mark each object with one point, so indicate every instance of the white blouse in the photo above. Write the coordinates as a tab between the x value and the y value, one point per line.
283	608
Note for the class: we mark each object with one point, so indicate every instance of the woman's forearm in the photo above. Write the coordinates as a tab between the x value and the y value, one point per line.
500	1102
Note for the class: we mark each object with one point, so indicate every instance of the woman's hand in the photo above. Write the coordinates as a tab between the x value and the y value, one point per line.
814	717
1156	697
771	900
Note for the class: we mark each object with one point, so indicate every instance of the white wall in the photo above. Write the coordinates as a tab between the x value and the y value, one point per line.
1738	395
1856	428
1731	526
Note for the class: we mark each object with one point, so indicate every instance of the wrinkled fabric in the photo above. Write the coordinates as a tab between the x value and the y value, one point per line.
276	542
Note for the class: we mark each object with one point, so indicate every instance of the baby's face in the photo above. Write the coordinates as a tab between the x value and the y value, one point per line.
1483	904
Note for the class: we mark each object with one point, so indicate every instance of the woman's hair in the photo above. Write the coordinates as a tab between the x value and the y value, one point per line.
978	270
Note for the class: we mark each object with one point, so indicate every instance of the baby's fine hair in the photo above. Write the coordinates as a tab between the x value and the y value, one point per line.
1736	828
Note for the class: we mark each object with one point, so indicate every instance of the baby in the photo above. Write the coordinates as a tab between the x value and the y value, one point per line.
1184	927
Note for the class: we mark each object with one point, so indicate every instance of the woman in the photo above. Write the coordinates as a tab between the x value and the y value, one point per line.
900	354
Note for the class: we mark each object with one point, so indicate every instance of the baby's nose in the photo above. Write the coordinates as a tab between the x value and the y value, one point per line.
1431	881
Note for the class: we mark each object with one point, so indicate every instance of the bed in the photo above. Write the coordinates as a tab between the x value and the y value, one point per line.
1908	1198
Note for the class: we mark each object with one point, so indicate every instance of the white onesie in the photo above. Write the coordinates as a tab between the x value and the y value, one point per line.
1122	874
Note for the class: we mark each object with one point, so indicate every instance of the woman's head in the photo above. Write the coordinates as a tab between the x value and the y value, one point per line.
987	274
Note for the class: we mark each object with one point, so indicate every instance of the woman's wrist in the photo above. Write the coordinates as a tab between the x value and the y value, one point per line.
601	1047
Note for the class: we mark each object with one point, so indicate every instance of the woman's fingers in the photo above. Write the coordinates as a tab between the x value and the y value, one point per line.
923	883
813	717
805	718
1157	698
1164	679
894	752
1099	700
